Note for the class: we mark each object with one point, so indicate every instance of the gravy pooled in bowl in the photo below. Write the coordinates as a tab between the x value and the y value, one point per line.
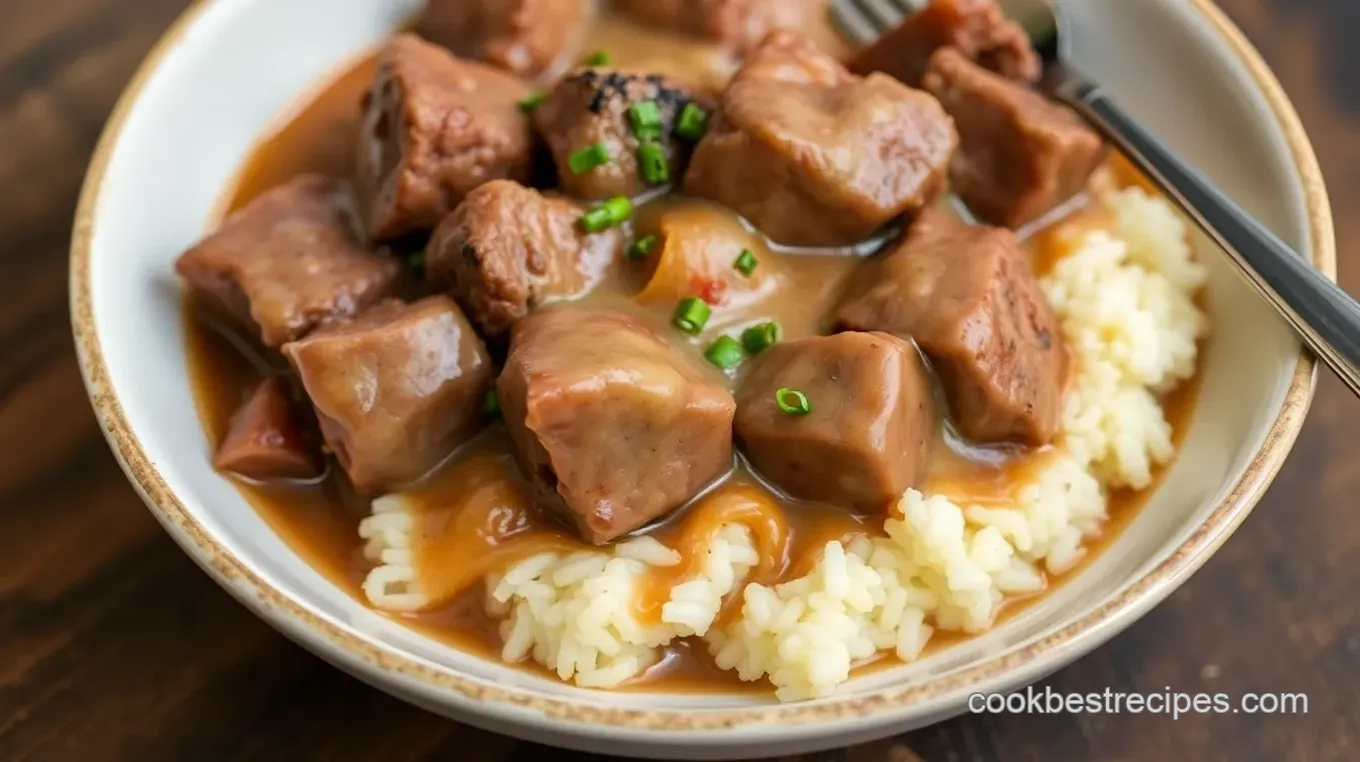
661	382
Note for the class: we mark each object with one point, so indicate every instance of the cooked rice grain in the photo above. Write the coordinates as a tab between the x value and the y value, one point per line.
1128	313
394	582
576	614
941	564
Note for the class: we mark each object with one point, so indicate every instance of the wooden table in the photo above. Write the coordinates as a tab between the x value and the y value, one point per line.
113	646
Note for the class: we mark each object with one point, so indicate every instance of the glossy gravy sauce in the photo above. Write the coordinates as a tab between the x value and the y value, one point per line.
476	515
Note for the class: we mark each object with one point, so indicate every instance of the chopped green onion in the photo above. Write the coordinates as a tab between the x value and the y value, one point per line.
530	103
646	120
693	122
417	261
759	338
642	247
792	402
691	314
725	352
612	212
652	163
588	158
746	262
620	209
491	404
596	220
598	58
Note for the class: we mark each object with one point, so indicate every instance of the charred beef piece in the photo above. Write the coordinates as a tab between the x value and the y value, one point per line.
434	128
978	29
266	438
288	261
815	156
590	108
966	294
1020	155
611	426
867	435
532	39
738	25
395	390
507	249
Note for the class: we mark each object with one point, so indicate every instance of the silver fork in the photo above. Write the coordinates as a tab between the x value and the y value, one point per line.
1324	316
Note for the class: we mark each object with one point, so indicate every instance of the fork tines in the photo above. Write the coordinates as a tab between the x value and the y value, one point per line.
864	20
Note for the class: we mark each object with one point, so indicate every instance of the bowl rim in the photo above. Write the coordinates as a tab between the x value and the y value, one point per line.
439	684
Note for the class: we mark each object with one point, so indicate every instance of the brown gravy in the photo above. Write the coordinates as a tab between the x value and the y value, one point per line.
478	515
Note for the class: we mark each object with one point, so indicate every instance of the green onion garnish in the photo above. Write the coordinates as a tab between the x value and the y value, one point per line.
652	164
691	314
746	262
491	405
598	58
761	337
693	122
725	352
588	158
417	261
646	120
792	402
612	212
642	247
531	103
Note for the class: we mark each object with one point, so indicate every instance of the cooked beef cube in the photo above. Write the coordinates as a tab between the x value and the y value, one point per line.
738	25
967	296
977	29
815	156
533	39
1020	155
611	426
507	249
590	108
396	389
290	260
867	434
434	128
266	438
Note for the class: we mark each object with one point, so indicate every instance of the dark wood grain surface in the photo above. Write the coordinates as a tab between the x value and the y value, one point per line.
113	646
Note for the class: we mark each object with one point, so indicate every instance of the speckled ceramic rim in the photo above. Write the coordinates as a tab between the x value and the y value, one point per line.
576	716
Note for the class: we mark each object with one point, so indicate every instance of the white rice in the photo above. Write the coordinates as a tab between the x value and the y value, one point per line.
394	582
1126	300
575	614
941	564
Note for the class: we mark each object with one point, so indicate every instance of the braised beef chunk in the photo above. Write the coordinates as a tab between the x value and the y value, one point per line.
396	389
978	29
611	426
590	108
738	25
815	156
266	438
967	296
866	436
533	39
507	249
1020	155
434	128
289	261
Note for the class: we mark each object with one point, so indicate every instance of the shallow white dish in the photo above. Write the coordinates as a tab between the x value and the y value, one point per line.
228	69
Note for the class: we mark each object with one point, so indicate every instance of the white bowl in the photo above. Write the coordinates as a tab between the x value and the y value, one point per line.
228	68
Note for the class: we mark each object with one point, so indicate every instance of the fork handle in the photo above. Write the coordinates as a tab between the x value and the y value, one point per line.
1324	316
